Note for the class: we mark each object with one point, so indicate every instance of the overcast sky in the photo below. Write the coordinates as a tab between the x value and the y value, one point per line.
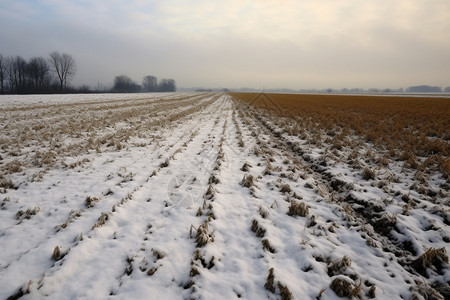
258	44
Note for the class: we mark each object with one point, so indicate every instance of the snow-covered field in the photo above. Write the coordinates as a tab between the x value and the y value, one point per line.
199	196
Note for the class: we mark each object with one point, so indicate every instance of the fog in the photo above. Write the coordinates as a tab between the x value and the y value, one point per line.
233	44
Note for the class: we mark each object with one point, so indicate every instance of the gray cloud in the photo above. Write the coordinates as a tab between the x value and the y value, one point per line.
266	43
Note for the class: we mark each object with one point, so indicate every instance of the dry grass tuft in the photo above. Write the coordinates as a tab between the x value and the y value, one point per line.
127	178
20	215
284	291
72	215
101	220
246	167
424	291
319	296
5	200
264	213
206	264
371	293
213	179
202	239
267	246
269	285
384	224
56	253
432	259
199	212
90	201
49	157
309	185
189	284
248	181
444	167
21	291
12	167
311	221
337	185
344	288
339	266
210	192
194	271
164	164
158	254
203	236
285	188
129	268
257	229
6	183
269	169
368	174
257	151
152	271
356	290
298	209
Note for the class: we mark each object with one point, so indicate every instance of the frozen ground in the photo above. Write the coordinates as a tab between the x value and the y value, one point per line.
177	196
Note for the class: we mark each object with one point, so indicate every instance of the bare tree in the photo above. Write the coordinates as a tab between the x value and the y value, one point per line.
17	72
2	73
38	73
167	85
172	85
7	73
64	67
150	83
124	84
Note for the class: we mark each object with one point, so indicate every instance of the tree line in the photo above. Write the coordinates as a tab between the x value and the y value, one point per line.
124	84
54	73
37	75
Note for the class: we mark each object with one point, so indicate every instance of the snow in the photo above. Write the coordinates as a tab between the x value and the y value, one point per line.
152	160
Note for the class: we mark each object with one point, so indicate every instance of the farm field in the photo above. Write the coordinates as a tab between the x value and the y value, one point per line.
211	195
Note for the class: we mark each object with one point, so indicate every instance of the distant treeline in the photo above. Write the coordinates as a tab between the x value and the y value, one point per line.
124	84
411	89
427	89
36	75
40	75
